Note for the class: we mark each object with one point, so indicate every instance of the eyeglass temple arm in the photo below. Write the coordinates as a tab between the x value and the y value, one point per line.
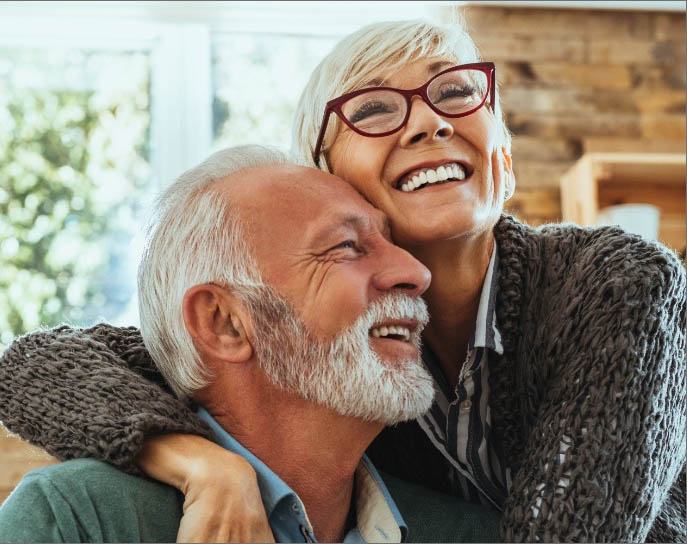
316	154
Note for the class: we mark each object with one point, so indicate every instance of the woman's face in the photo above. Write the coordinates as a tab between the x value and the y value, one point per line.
378	167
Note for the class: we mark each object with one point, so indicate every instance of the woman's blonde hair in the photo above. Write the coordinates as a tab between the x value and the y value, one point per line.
375	51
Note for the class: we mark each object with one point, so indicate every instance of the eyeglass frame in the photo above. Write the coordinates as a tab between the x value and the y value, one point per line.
335	105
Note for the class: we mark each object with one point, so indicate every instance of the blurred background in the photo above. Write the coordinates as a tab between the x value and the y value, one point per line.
104	103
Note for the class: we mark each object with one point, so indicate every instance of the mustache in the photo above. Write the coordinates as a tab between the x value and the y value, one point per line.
389	307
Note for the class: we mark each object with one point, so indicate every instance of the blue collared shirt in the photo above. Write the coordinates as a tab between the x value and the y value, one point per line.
377	517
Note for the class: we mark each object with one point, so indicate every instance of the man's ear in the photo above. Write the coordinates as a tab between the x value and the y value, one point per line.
218	322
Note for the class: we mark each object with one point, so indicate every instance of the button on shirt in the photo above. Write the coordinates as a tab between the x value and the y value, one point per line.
459	422
377	517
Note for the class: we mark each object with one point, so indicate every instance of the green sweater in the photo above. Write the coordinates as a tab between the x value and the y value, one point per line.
89	501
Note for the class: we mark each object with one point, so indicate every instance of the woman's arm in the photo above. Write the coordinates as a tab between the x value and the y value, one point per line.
89	393
222	500
96	393
609	438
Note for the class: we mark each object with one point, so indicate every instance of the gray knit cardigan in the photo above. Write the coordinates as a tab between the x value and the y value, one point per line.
593	327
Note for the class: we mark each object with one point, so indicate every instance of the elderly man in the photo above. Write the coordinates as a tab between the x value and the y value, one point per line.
236	292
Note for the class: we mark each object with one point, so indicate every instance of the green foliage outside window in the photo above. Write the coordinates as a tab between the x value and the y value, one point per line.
73	171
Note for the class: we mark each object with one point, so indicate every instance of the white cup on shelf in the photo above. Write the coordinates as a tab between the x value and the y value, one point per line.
642	219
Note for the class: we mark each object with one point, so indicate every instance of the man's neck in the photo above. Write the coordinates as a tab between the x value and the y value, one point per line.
312	449
458	270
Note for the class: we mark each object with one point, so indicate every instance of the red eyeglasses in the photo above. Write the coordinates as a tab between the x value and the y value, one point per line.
380	111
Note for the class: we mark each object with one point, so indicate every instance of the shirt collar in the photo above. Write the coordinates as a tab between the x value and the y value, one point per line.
378	517
272	488
487	334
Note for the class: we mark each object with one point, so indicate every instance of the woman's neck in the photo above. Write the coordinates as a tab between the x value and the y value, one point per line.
458	270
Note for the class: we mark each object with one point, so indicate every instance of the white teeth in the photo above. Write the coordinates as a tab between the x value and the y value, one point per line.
397	330
442	173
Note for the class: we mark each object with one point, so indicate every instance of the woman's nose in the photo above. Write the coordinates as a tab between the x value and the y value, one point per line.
424	125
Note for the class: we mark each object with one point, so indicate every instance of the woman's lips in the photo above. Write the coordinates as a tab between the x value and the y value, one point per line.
421	177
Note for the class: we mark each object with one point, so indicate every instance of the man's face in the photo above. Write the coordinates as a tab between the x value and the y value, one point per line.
346	300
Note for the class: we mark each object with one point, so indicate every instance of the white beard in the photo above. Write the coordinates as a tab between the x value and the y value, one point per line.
345	375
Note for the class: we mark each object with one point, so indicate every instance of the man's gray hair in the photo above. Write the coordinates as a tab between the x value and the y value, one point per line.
194	237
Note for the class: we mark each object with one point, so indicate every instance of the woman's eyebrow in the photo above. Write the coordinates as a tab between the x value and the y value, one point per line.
431	69
439	65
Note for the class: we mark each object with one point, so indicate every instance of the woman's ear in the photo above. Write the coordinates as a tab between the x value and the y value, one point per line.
508	170
219	323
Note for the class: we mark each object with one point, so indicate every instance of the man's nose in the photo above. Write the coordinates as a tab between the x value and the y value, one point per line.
424	124
398	269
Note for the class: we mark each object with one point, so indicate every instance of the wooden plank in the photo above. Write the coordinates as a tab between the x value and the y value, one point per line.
579	197
589	102
623	51
631	145
559	22
4	493
669	198
545	149
557	125
663	126
591	76
539	174
17	458
673	233
669	25
567	101
505	47
642	168
543	205
12	448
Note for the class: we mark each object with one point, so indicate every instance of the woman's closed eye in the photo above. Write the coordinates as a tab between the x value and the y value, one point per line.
456	92
368	109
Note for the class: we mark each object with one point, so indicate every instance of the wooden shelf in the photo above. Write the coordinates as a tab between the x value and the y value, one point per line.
598	180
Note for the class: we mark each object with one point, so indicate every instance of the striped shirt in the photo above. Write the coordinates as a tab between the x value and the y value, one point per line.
459	422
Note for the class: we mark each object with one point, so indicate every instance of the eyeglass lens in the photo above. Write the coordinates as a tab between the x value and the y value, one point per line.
452	93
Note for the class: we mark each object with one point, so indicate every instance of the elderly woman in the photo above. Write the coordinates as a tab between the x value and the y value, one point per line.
558	353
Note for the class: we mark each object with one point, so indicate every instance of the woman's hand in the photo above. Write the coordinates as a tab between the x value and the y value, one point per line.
222	499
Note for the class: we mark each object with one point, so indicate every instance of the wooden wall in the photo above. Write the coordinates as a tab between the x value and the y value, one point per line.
576	80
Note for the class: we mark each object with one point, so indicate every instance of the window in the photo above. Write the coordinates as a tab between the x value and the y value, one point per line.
257	80
102	104
74	164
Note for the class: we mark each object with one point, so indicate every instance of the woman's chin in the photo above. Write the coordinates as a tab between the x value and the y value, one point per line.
438	230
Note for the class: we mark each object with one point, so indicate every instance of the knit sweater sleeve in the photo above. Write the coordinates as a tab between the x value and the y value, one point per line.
89	393
607	439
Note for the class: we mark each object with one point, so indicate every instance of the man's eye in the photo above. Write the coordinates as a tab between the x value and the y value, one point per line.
348	244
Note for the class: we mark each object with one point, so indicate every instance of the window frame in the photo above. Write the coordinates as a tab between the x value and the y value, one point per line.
180	80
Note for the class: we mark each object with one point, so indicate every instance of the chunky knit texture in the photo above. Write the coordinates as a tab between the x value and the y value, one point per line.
588	401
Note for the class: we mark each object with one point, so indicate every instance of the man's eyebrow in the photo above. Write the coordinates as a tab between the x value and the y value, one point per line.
356	222
320	236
